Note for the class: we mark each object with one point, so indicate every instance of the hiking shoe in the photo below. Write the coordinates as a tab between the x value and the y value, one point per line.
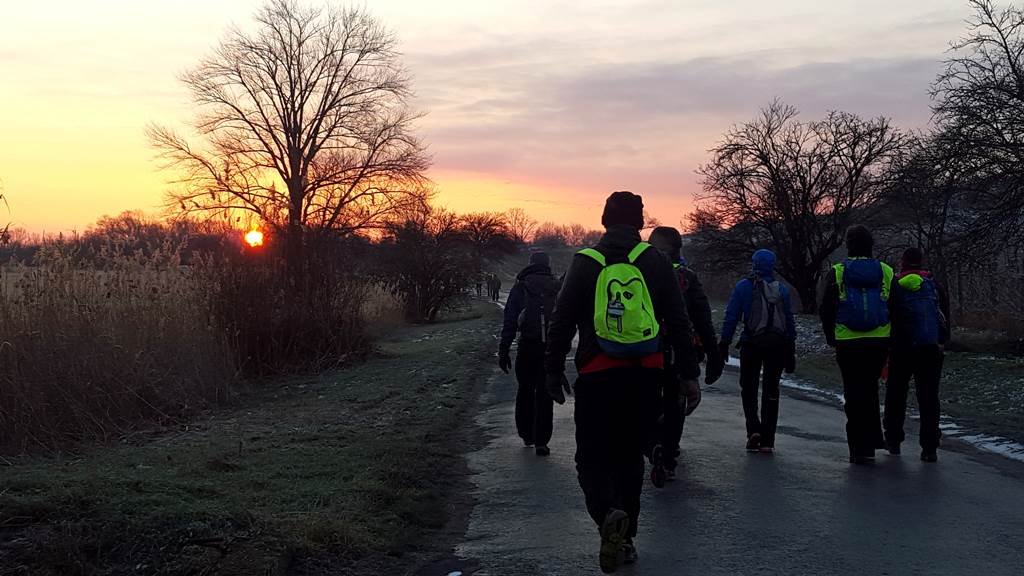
613	536
929	456
753	442
527	444
629	555
767	449
894	449
658	473
543	451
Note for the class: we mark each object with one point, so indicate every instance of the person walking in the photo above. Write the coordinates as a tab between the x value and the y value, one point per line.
767	346
673	417
920	327
528	311
855	320
623	298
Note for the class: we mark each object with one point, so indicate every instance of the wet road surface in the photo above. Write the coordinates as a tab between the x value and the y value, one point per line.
805	510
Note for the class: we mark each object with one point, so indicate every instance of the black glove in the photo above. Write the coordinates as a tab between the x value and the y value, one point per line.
723	352
557	386
690	397
713	369
504	361
791	359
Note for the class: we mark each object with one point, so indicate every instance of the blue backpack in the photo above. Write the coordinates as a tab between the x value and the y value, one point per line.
864	285
918	306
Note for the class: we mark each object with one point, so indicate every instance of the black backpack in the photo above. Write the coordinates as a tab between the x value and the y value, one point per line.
541	292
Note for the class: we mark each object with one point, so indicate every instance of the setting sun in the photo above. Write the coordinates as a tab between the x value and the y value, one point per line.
254	238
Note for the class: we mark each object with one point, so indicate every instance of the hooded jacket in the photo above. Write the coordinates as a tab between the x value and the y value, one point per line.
738	310
574	310
537	278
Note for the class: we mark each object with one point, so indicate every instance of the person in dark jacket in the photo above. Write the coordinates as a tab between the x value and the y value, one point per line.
919	308
616	398
669	242
767	346
855	320
527	312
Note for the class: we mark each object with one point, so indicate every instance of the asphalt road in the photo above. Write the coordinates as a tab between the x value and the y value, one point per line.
805	510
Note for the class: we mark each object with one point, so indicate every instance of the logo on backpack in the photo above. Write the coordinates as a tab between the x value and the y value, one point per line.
864	286
624	319
766	322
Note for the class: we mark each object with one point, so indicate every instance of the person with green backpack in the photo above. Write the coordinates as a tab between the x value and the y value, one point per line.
855	320
624	299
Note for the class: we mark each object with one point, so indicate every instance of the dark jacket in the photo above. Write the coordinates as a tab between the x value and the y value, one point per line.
742	297
536	279
901	328
698	309
575	308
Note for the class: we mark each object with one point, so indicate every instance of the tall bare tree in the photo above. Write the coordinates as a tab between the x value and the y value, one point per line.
520	225
303	122
795	187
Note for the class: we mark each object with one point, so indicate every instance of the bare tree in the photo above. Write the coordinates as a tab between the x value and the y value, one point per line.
489	237
520	225
796	186
303	122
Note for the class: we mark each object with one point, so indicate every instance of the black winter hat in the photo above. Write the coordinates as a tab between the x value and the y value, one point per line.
624	208
859	242
913	258
666	236
540	259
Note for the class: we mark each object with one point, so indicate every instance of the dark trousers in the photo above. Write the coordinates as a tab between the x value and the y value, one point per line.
861	363
534	408
670	429
924	365
761	366
615	415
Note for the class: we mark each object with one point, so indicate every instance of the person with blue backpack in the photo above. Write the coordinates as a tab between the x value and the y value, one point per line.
767	346
919	308
623	298
528	314
855	321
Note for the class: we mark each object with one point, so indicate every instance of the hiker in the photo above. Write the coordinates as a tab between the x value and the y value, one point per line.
669	242
623	297
480	285
855	320
919	308
528	312
494	287
767	346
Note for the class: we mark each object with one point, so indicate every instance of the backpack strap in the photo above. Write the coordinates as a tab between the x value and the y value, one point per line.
839	270
637	251
591	253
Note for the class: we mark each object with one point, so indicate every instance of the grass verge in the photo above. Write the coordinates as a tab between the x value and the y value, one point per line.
357	471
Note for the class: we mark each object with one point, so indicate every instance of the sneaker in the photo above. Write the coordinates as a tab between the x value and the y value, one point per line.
613	537
658	474
543	451
629	555
894	449
527	444
929	456
754	442
767	449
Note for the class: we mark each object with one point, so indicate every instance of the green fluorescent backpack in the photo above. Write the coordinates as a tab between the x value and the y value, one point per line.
623	313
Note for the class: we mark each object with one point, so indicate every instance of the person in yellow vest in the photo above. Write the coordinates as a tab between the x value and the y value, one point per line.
855	319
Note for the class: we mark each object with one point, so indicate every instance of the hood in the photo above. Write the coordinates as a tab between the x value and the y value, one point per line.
534	269
618	240
764	263
862	273
913	280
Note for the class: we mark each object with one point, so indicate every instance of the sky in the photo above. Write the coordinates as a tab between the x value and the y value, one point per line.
547	105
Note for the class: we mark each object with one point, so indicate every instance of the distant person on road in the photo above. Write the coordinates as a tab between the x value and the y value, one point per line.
767	346
920	327
528	311
669	242
623	297
855	320
494	287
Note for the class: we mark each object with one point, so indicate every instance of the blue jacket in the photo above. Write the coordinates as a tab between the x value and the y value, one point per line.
739	303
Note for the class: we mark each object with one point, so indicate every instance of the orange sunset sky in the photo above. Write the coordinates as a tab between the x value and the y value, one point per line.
543	104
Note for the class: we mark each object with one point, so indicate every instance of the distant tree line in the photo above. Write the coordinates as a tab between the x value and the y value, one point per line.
957	191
